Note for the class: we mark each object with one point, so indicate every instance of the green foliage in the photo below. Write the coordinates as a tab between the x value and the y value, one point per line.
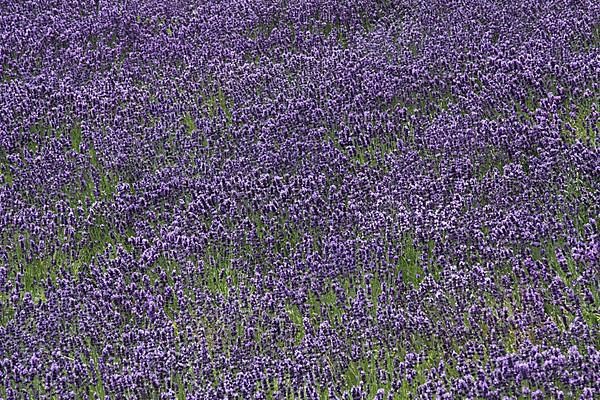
5	170
409	263
189	123
297	319
76	137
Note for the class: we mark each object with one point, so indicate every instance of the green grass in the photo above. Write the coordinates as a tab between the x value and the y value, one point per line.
76	137
409	264
297	319
5	169
189	123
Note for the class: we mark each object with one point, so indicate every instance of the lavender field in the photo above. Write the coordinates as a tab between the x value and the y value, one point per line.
310	199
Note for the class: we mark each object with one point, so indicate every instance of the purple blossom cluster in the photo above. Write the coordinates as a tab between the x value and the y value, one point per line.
317	199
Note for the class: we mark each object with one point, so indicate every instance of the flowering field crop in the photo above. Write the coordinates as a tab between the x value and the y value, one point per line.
309	199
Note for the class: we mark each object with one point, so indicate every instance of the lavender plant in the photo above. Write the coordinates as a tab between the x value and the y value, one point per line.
382	199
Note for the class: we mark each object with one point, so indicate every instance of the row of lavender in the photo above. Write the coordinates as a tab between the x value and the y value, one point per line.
316	199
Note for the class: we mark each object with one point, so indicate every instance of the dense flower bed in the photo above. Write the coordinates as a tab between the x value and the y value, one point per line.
311	199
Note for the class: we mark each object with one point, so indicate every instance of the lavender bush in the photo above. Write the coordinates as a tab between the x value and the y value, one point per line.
311	199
